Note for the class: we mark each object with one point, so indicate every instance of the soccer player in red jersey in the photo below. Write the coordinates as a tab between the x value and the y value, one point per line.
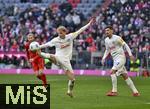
36	61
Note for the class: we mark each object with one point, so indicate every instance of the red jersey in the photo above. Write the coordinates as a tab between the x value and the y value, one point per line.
30	54
38	62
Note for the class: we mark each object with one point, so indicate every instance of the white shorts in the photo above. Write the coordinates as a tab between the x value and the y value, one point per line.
61	62
119	65
64	63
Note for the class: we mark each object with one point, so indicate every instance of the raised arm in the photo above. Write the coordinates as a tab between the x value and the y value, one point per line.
75	34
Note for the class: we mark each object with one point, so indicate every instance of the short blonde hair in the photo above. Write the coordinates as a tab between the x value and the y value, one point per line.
63	29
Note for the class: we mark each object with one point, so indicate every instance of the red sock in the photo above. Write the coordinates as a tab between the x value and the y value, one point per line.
43	78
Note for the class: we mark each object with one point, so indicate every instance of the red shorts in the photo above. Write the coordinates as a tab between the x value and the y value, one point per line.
38	64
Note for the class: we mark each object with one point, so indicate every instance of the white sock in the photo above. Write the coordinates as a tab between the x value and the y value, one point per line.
131	85
70	85
114	82
45	55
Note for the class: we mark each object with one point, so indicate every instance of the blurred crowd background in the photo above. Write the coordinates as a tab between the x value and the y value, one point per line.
129	18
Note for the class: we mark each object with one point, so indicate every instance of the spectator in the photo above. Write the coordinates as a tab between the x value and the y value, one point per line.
76	19
15	46
129	18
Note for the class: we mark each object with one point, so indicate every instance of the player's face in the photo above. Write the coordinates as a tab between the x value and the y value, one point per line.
108	32
30	38
61	33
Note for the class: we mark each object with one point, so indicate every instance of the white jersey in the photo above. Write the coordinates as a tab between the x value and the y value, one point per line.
63	46
114	46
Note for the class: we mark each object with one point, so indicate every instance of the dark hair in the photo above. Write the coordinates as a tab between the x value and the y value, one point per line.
110	27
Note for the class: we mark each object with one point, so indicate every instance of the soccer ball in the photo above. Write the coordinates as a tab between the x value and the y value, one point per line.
34	46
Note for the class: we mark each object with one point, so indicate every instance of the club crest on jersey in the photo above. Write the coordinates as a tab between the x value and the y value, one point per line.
64	45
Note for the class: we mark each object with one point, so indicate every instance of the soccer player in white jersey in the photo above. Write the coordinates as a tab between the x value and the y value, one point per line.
64	45
114	45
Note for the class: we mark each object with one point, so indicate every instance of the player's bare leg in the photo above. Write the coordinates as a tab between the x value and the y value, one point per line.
71	82
113	92
130	84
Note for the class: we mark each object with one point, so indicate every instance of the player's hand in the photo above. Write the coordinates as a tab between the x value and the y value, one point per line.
103	61
132	58
93	20
31	60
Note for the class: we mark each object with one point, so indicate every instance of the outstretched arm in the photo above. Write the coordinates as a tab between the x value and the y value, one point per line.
48	44
75	34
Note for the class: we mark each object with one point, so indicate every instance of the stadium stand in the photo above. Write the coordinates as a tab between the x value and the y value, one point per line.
130	20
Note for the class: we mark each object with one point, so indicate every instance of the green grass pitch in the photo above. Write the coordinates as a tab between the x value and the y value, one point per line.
89	92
